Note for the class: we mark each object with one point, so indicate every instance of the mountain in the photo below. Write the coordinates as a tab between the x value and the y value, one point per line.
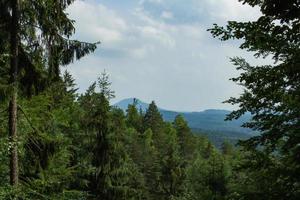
208	122
125	102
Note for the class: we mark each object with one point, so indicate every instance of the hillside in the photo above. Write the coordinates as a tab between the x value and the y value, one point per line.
210	122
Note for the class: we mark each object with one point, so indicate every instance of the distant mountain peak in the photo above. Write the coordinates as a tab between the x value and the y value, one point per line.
123	104
210	119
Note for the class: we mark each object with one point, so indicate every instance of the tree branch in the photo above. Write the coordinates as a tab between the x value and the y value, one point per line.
27	118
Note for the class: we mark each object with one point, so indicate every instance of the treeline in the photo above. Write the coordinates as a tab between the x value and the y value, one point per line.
79	147
57	144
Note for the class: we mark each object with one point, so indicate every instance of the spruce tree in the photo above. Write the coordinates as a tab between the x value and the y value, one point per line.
153	119
172	165
185	138
29	25
12	122
149	163
114	175
133	117
207	177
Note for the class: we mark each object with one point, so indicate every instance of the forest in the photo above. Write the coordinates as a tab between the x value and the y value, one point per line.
57	143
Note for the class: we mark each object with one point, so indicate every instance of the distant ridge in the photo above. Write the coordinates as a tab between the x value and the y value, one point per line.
123	104
210	120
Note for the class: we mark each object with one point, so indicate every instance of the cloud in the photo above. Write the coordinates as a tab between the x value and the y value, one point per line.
225	10
160	49
202	11
97	22
158	34
167	15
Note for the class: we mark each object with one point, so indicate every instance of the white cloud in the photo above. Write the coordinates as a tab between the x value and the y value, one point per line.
97	22
166	34
231	10
160	35
151	1
140	52
194	31
155	57
167	15
204	10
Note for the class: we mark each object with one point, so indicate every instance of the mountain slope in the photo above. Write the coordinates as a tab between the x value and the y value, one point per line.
125	102
210	120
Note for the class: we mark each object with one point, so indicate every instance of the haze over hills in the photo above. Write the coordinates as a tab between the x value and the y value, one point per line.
208	122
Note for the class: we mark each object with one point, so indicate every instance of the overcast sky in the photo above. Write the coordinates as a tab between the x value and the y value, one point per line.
160	50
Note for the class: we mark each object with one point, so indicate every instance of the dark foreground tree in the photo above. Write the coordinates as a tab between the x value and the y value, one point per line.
272	91
12	121
113	173
38	44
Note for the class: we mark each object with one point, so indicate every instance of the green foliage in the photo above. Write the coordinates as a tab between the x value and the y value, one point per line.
172	169
186	139
79	147
133	117
271	95
207	176
152	119
45	43
113	173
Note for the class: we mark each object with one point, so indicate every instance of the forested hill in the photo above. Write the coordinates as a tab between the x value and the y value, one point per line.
211	120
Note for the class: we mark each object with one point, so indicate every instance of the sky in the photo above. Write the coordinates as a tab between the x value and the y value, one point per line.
161	50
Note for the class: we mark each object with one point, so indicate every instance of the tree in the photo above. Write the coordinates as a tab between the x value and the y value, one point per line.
206	177
12	122
227	148
127	181
45	147
271	92
153	119
133	117
28	29
172	165
96	123
185	138
146	157
113	175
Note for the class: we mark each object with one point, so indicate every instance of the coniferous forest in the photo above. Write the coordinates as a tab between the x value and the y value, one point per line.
57	143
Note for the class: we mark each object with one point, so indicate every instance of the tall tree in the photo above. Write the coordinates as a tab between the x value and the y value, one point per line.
185	138
14	43
172	167
96	123
206	176
133	117
153	119
29	29
114	175
271	92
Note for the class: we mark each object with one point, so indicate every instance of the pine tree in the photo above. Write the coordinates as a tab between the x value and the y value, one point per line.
172	167
133	117
34	22
227	148
153	119
196	184
114	174
96	121
207	177
185	138
148	160
12	122
44	147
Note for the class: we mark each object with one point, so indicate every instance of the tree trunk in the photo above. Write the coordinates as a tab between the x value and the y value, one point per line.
12	121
